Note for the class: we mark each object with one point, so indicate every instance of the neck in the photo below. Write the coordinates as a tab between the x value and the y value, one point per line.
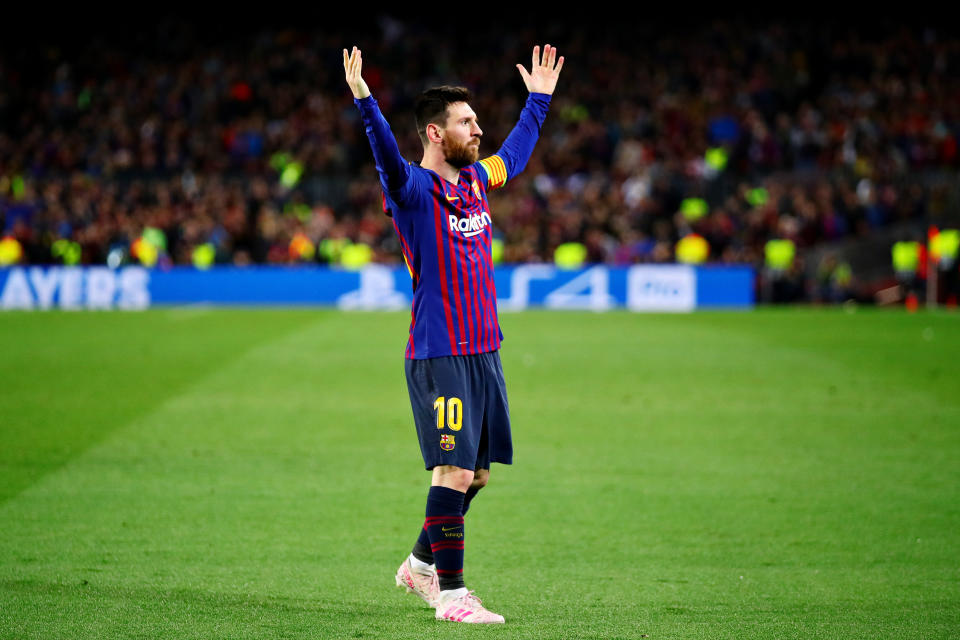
433	160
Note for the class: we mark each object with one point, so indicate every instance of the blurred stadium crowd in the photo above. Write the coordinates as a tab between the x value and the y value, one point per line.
247	148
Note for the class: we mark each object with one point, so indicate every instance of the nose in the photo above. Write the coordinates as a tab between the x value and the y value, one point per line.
477	131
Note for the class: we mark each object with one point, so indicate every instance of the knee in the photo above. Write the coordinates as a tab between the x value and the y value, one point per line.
462	479
480	479
453	478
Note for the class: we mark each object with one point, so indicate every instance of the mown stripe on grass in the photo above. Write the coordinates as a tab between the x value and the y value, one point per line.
70	379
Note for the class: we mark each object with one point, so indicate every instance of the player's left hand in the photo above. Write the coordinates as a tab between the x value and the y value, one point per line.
544	71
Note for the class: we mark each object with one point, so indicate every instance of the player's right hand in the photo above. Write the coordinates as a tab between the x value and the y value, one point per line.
352	64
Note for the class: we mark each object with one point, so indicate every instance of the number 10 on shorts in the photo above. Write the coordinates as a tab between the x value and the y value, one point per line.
453	413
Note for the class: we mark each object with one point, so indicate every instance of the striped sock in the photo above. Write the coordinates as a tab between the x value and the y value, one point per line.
444	526
421	549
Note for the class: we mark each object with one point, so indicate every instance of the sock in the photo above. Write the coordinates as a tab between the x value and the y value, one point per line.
450	594
419	566
444	526
421	549
471	493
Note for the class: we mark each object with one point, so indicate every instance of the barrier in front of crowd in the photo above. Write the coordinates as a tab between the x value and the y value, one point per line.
598	288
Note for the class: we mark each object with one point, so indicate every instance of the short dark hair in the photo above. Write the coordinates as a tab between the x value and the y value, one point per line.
431	106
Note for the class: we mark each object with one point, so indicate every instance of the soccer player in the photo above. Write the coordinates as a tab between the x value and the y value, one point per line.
440	212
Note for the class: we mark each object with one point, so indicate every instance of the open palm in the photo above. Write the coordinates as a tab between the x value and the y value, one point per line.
352	68
544	71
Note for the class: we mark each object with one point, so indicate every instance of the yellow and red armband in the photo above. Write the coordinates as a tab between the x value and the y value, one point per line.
496	172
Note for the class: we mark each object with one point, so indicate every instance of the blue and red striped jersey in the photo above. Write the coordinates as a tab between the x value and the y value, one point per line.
446	234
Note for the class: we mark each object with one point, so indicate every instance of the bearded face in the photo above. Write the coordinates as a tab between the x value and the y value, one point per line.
460	154
460	142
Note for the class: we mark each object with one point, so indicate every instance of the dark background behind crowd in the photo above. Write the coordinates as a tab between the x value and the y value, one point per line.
243	137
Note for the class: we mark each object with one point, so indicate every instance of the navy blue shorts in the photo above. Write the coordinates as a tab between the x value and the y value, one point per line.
460	408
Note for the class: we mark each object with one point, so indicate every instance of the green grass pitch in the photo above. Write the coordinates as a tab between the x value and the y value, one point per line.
187	473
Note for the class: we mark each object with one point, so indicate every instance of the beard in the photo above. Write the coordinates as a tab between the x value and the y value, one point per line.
461	155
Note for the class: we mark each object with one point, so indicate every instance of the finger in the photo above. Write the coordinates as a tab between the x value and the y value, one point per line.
351	55
356	62
547	51
553	58
345	60
524	75
559	64
536	57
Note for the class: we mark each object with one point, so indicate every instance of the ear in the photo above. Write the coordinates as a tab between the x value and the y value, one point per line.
434	133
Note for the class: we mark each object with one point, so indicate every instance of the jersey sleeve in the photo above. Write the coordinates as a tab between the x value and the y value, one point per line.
393	169
512	157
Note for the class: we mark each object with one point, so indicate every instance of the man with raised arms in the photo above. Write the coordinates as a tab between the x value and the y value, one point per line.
441	215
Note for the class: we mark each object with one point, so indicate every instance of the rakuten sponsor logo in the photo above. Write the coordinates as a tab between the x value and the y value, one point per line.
471	225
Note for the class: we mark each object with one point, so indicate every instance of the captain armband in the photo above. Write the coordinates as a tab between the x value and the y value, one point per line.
496	172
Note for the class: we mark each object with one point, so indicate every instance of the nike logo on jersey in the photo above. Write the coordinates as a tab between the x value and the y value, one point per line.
471	225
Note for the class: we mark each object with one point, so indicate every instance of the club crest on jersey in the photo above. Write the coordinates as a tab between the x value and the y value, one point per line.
447	442
470	225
